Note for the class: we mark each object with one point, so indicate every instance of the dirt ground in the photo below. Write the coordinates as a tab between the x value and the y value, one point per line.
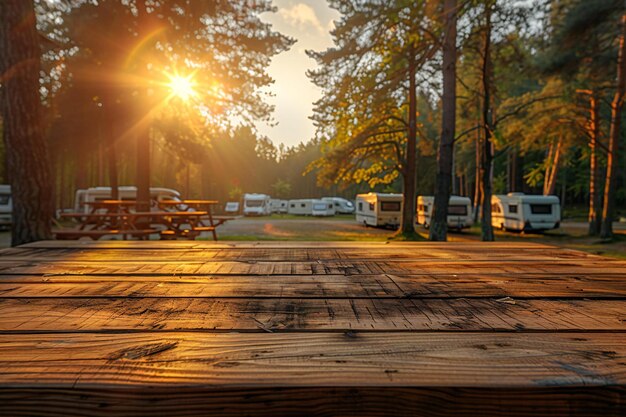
570	235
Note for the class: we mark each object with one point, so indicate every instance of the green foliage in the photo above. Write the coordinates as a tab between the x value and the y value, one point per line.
282	188
363	114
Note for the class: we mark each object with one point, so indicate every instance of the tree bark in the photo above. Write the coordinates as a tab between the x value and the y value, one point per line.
477	181
554	159
408	207
28	162
143	136
606	229
439	224
487	154
594	196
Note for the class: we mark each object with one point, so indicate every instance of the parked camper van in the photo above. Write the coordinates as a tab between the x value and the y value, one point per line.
378	209
279	206
302	207
341	205
256	205
459	211
93	194
521	212
232	207
6	206
323	208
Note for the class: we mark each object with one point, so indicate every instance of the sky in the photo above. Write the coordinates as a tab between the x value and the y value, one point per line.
309	23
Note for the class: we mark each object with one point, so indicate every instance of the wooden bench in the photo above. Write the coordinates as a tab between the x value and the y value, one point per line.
70	234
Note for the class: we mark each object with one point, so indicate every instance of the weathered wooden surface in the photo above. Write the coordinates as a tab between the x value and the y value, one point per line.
296	328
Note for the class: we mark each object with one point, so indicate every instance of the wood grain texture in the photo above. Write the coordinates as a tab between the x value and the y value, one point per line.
157	267
273	315
294	255
298	328
314	359
156	244
320	286
558	401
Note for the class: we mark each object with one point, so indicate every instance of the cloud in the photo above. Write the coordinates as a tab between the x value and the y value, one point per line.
301	15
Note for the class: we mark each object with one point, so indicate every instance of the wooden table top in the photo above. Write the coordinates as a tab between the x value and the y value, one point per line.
188	202
319	328
138	214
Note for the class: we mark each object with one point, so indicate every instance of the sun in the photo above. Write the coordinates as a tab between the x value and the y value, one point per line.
182	87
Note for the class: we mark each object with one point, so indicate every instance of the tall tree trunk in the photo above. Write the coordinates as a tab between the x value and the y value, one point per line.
552	169
606	229
143	136
487	154
28	162
110	139
594	195
477	181
143	170
408	207
439	223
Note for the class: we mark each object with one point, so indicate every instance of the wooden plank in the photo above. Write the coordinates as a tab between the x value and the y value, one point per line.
331	286
587	267
26	315
292	255
319	286
557	401
222	360
167	245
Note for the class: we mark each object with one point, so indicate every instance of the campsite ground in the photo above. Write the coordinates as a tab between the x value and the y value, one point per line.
572	233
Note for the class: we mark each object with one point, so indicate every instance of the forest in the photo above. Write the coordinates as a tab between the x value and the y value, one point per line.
423	97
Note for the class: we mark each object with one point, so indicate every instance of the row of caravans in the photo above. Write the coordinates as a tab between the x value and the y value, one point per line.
6	206
263	205
514	211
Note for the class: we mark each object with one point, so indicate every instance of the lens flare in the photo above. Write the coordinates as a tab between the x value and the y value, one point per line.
182	87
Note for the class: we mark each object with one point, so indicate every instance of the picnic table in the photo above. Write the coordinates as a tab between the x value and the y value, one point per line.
174	219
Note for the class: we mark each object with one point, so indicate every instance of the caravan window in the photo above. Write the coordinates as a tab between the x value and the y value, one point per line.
4	199
541	208
360	206
293	205
390	206
512	208
457	209
319	206
371	206
254	203
302	205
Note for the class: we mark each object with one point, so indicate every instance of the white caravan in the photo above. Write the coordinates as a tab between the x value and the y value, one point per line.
459	211
125	192
232	207
323	208
379	209
521	212
256	205
6	206
342	206
279	206
302	207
